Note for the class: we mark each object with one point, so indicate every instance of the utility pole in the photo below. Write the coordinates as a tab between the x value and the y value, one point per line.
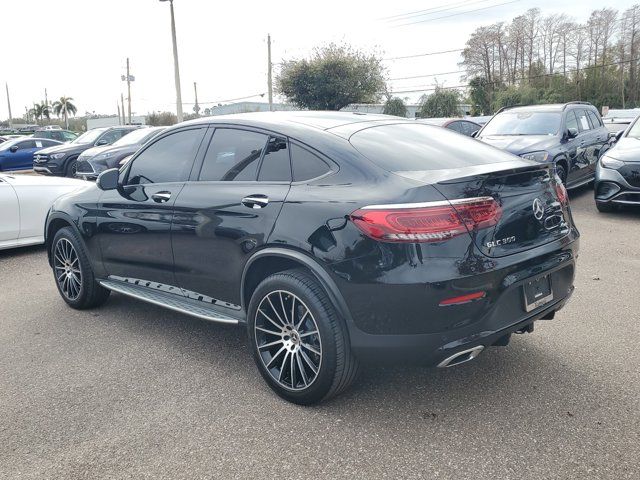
122	102
119	119
8	104
176	67
128	92
46	98
269	76
196	107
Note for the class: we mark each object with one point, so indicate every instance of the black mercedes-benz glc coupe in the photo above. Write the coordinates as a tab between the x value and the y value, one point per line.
335	238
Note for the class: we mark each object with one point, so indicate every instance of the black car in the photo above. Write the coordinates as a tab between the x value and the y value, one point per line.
618	172
97	159
333	238
63	160
570	136
63	136
460	125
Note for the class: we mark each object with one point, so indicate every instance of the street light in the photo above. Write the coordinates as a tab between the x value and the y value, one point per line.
175	63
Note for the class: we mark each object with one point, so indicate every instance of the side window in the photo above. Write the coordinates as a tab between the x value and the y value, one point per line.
49	143
306	165
572	121
595	119
468	128
27	144
455	126
68	136
112	135
276	166
233	155
167	160
583	120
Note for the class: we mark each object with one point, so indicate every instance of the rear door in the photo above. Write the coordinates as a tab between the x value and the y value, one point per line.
585	145
228	210
601	137
9	213
134	222
22	158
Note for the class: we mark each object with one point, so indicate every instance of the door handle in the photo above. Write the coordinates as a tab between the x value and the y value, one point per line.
255	201
161	197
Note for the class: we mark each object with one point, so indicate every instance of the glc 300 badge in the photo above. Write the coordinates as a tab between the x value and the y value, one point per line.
501	241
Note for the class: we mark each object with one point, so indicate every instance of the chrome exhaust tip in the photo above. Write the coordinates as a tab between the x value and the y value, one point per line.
461	357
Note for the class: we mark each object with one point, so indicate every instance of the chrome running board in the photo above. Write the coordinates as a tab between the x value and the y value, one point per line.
171	301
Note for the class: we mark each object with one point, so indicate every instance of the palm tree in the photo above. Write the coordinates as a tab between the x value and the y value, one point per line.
45	111
64	107
36	112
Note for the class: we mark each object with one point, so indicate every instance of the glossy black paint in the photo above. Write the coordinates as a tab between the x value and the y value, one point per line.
578	155
204	240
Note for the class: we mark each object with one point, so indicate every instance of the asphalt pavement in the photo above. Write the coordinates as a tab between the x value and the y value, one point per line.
130	390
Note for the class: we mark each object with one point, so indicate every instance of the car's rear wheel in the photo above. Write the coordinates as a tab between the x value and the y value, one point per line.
72	272
299	342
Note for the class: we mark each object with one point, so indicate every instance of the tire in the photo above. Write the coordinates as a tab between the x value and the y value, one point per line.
72	166
561	172
605	207
275	301
72	272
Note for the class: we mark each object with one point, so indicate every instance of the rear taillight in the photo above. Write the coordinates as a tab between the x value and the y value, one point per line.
561	191
427	222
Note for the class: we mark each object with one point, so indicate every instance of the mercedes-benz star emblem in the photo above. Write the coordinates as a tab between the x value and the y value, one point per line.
538	209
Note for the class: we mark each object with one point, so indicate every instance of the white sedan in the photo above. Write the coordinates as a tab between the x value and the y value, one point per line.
24	203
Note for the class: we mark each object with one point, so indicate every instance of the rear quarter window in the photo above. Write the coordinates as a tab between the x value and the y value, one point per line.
419	147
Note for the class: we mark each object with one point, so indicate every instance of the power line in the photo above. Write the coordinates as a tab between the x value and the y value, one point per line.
424	54
430	75
431	88
431	11
227	100
456	14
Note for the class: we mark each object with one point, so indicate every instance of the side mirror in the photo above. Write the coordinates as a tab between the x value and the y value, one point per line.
101	142
13	148
108	180
475	134
572	133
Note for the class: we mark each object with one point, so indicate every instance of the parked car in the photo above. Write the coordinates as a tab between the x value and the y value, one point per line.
63	136
465	127
97	159
616	124
25	201
28	129
332	237
618	172
62	160
17	153
50	127
3	139
570	136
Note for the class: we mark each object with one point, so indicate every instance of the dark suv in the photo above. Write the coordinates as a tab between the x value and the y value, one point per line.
332	238
570	136
63	160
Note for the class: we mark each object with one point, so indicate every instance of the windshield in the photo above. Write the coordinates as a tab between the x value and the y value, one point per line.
524	123
137	136
89	137
634	131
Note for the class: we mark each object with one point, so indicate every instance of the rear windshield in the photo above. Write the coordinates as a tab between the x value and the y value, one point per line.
523	123
419	147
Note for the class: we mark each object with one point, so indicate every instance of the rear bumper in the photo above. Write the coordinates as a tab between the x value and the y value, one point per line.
406	322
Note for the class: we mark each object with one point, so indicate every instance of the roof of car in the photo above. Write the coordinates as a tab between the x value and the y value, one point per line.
549	107
323	120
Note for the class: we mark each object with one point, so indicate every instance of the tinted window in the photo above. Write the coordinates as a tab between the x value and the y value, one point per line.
233	155
455	126
306	165
113	135
416	147
468	128
68	136
27	144
572	121
275	166
583	120
523	123
167	160
595	119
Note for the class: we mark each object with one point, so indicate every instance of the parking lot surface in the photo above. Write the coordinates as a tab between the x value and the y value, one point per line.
134	391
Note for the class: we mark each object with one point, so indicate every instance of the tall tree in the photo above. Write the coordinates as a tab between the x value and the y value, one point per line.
395	106
334	77
64	107
441	103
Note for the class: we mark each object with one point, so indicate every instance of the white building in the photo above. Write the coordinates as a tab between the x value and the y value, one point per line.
113	121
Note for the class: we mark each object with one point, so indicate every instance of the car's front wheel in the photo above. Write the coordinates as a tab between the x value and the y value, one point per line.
72	168
72	271
299	342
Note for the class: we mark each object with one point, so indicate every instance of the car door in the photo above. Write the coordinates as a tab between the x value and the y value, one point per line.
22	158
601	138
584	146
134	221
227	211
9	214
